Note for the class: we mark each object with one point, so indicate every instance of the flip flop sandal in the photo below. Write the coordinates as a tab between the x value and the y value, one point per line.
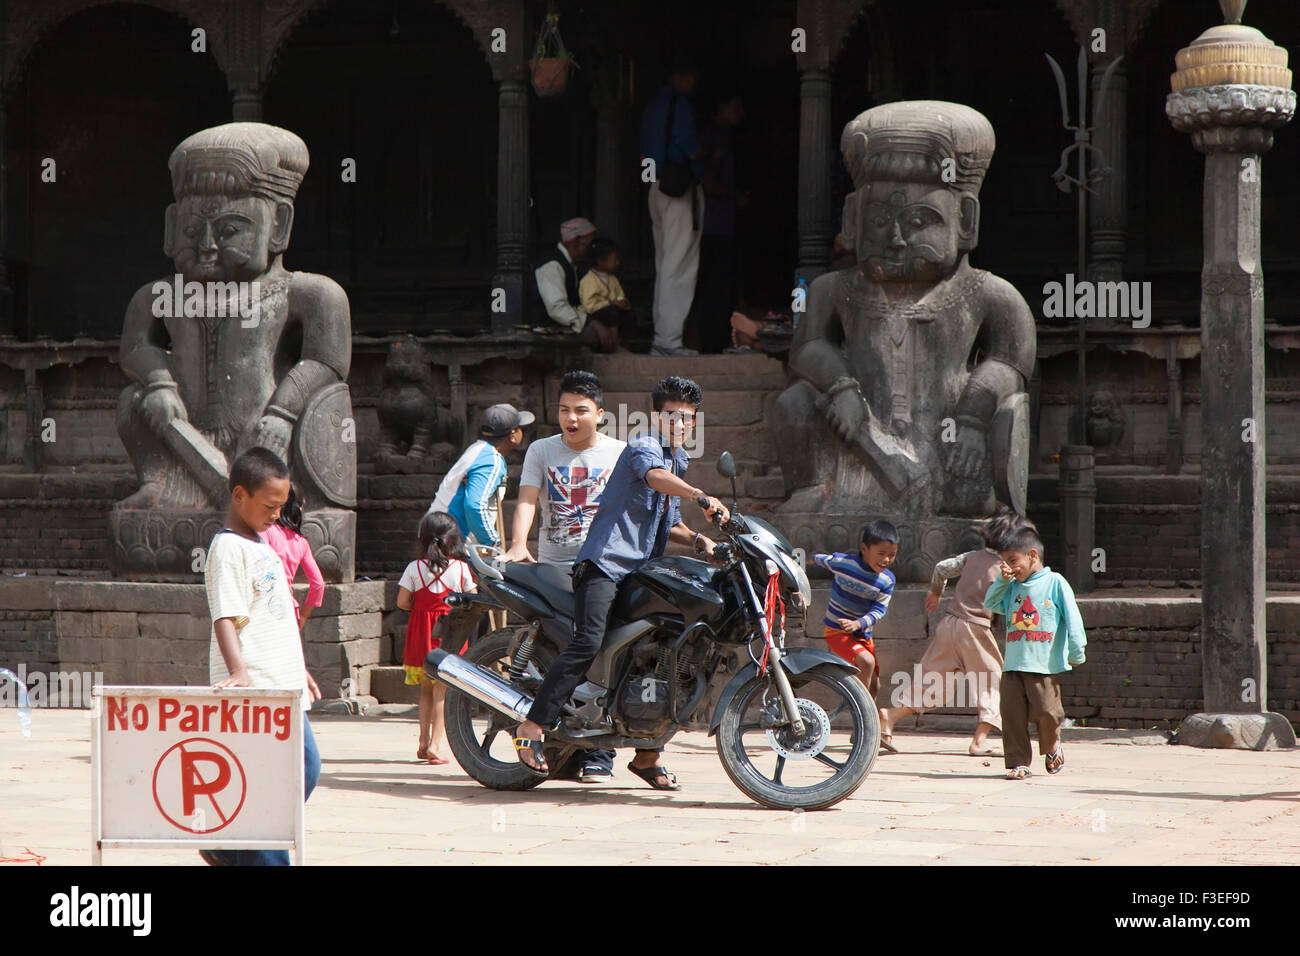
526	743
651	774
887	744
1054	762
1018	773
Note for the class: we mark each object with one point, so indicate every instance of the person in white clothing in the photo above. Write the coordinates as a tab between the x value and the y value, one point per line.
564	476
557	278
676	206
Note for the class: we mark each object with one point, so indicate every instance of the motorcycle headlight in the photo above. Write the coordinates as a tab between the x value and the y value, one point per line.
802	589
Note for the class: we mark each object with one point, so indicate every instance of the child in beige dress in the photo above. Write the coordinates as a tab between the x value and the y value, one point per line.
963	659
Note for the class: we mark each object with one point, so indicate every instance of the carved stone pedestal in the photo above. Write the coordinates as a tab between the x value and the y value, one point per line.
162	545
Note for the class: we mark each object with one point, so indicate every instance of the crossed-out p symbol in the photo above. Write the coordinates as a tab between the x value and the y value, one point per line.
196	780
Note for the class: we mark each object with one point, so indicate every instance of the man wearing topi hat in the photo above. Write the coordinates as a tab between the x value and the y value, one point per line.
471	491
557	284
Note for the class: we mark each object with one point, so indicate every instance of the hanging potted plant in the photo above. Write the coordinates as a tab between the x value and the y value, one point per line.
550	62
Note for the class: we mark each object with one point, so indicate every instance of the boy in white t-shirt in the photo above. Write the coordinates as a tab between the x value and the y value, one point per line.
572	468
255	637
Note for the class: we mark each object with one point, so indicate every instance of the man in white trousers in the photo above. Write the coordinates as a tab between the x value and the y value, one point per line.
676	220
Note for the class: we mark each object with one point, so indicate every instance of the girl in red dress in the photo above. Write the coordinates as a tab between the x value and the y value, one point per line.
423	590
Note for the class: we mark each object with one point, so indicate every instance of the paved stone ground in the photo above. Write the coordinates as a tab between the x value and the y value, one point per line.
1118	801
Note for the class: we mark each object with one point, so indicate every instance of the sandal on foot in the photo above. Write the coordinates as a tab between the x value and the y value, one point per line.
887	744
535	747
1018	773
1054	762
651	774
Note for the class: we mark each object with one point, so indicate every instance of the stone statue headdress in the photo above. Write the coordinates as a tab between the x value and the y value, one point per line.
240	159
908	141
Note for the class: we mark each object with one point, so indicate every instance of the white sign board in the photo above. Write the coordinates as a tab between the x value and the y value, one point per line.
196	767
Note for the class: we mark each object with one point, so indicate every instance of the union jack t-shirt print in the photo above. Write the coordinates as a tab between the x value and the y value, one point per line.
574	494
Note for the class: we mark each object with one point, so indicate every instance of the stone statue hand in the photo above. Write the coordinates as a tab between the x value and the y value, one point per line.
845	413
273	433
968	451
160	406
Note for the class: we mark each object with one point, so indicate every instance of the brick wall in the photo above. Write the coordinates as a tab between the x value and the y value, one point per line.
1144	655
160	633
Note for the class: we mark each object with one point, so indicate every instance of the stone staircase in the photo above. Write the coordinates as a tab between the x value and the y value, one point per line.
738	394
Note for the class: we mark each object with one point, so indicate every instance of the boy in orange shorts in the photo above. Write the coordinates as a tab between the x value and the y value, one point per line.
860	593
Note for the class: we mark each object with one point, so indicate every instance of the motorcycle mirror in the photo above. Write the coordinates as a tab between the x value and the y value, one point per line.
727	469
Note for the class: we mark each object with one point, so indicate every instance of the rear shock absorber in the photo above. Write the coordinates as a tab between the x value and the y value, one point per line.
522	655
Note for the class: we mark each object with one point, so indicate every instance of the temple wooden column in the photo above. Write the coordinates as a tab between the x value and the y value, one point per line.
6	289
246	104
1108	209
1231	90
512	199
816	153
612	173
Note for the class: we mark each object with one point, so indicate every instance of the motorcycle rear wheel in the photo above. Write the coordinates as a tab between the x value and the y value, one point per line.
841	693
475	730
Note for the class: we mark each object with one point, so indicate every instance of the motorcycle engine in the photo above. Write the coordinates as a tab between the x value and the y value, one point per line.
644	701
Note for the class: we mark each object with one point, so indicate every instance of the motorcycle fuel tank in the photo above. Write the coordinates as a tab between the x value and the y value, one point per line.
669	585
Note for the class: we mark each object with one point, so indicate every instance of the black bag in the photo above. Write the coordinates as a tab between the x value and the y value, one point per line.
674	178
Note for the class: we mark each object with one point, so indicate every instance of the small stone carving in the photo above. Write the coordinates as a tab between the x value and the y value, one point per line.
409	414
1105	421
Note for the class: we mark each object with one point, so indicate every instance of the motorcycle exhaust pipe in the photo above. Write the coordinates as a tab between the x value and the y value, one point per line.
480	684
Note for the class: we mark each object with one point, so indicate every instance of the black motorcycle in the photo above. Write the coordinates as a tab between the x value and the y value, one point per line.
690	646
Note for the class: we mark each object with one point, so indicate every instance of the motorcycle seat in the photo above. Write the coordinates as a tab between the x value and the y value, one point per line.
555	585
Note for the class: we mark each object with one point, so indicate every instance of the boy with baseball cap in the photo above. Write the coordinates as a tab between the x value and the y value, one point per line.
470	492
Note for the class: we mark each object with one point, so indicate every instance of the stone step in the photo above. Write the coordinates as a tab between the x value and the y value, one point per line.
388	686
711	372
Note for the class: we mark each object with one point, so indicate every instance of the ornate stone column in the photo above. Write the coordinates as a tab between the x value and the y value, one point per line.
1108	209
816	151
1231	90
512	198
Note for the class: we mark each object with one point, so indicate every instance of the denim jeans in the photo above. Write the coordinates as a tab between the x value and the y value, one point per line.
311	774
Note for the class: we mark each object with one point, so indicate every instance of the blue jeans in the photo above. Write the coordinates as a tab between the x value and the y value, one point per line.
598	758
311	774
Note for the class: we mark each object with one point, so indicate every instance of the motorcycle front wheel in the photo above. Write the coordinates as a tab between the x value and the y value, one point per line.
811	771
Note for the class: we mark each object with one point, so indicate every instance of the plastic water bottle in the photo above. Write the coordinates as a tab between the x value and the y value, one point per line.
24	702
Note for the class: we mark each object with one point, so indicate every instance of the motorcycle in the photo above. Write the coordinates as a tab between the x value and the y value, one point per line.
689	646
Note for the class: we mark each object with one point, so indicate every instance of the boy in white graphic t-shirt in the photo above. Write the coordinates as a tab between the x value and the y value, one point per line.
564	476
255	636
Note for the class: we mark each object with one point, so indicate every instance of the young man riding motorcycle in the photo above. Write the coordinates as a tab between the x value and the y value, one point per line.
639	514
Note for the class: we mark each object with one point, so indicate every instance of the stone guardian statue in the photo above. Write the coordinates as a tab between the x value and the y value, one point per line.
910	368
231	352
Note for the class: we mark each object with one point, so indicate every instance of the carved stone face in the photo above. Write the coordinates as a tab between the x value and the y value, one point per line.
908	232
221	238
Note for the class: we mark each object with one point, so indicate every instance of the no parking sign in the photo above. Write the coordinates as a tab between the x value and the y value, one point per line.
197	767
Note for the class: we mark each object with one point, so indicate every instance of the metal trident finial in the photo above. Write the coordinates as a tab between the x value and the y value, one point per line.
1097	169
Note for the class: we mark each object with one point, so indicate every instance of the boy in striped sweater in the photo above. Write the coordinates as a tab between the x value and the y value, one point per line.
860	593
